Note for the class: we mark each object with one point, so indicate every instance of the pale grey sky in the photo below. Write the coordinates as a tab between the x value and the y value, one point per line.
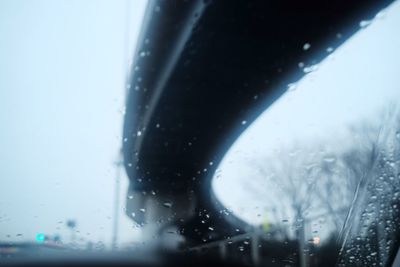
62	71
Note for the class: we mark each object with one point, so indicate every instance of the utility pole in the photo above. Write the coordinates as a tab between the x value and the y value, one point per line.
118	164
71	224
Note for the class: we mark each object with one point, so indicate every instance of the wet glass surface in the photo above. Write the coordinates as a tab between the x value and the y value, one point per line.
313	181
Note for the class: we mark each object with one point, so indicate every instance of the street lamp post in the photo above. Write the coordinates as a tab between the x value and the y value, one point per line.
118	164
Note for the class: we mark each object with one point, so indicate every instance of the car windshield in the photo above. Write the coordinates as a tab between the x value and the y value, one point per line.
244	133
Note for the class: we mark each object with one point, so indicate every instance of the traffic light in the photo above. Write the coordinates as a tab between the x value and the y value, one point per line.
40	237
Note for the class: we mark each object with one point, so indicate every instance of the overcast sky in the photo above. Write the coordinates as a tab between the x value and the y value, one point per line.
62	70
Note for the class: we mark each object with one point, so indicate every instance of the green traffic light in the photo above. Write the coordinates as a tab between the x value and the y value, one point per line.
39	237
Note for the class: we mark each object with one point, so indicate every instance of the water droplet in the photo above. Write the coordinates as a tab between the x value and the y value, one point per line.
244	122
122	110
211	228
381	14
143	54
329	159
310	68
130	197
301	65
133	214
292	87
143	210
167	204
329	50
365	23
306	46
158	125
139	133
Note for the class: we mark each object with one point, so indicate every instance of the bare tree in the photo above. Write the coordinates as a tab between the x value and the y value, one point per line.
372	229
339	183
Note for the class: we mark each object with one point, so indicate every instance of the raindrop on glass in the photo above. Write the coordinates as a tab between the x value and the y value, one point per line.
310	68
167	204
329	159
380	14
365	23
306	46
292	87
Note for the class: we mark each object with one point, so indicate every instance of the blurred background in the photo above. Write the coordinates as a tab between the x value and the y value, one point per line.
292	176
63	67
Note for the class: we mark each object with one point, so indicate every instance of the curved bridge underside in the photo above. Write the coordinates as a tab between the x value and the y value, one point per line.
204	67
